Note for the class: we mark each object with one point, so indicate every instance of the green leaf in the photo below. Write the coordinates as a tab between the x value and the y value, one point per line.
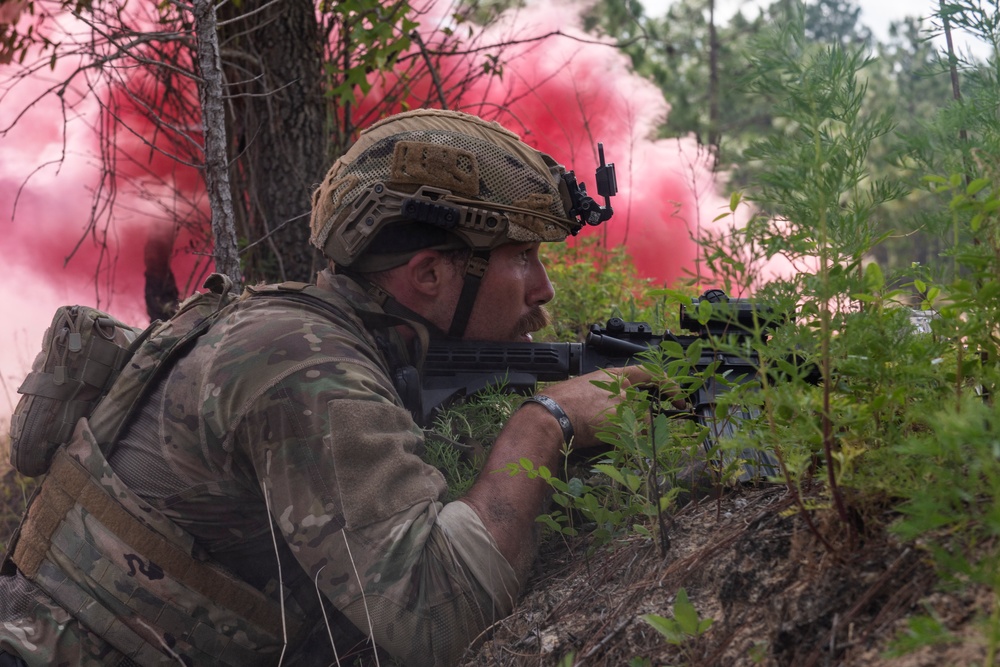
874	278
685	614
612	472
557	484
704	312
976	185
665	626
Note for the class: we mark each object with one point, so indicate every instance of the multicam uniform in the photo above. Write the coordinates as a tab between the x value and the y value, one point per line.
281	446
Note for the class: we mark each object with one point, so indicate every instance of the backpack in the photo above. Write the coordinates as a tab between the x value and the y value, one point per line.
83	351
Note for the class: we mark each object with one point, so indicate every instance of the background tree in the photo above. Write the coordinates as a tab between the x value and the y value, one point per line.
704	81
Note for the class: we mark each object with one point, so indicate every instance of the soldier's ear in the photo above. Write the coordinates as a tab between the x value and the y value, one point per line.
430	273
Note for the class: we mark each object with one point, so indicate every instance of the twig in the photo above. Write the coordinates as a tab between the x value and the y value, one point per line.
608	637
415	36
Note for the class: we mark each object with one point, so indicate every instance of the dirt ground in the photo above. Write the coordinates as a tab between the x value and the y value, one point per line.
777	596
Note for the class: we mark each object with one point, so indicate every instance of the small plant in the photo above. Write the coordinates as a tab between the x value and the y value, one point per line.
566	494
684	628
15	490
461	436
920	631
758	652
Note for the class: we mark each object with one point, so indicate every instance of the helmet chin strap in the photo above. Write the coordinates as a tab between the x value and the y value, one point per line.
474	272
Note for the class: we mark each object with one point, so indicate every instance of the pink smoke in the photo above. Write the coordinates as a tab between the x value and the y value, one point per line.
562	94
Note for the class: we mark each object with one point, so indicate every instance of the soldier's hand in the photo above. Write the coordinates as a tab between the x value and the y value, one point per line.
588	405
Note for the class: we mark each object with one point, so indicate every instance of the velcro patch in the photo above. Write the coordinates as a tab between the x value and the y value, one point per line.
418	163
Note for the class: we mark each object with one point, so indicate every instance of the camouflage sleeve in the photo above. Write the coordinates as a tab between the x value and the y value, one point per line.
337	459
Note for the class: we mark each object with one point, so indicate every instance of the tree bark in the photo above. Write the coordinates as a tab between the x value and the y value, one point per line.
279	126
213	116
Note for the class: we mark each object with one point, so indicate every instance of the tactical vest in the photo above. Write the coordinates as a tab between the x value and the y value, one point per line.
120	567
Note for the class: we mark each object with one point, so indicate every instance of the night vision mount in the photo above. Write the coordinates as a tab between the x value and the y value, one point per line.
584	208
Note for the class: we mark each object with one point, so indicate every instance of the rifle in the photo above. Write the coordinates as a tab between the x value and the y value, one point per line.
455	370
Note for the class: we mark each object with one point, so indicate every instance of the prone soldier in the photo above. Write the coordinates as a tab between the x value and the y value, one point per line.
266	503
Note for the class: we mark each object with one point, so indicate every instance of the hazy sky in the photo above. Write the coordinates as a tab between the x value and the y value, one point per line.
876	14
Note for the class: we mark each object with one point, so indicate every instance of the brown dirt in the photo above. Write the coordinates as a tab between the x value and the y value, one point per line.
777	595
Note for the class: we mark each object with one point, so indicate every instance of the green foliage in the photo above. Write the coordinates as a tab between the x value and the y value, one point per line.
758	652
460	437
568	660
379	32
452	458
684	626
816	200
921	631
15	490
890	412
594	283
628	488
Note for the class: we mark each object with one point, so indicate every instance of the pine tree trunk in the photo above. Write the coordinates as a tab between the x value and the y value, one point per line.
213	116
280	138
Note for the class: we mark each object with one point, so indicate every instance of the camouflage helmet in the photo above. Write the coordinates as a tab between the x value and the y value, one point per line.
437	179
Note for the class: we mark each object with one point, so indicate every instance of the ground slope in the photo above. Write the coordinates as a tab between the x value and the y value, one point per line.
777	594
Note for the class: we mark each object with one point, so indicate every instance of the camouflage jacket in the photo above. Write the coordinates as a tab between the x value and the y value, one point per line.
279	443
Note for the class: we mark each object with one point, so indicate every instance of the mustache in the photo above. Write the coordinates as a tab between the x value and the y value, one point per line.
537	318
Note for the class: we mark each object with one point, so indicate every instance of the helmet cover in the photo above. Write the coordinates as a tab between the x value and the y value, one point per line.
469	182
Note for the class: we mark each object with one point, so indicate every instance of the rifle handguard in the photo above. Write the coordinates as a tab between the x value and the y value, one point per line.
556	411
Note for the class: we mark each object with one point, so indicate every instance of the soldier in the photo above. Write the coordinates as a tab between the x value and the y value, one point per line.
267	503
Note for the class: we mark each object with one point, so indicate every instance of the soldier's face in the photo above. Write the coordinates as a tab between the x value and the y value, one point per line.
510	302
